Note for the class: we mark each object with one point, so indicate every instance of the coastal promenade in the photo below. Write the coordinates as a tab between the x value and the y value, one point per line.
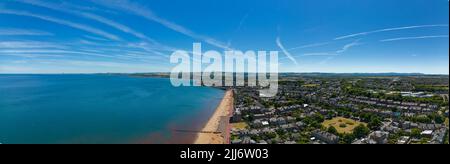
218	123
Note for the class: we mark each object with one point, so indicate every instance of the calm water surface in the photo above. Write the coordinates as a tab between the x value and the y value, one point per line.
100	109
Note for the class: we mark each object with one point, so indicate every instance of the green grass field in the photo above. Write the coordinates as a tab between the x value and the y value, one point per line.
342	125
240	126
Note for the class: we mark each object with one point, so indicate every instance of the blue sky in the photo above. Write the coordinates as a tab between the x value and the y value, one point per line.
90	36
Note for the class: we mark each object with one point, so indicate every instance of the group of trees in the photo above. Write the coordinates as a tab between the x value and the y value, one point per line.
427	119
374	121
430	88
314	121
415	133
332	130
360	131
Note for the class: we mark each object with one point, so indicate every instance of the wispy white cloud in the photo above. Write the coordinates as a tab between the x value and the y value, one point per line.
15	69
146	13
87	42
286	52
31	55
73	66
65	8
324	62
348	46
320	54
32	49
149	48
309	46
242	22
71	6
14	32
143	48
28	44
96	63
239	27
94	38
389	29
414	38
344	49
19	61
62	22
116	25
124	52
52	52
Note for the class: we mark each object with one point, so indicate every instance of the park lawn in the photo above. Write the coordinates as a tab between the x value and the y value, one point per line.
240	125
338	121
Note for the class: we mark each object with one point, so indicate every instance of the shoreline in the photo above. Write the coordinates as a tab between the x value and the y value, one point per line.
216	130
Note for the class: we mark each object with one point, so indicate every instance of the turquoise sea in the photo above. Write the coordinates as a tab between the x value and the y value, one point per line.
91	109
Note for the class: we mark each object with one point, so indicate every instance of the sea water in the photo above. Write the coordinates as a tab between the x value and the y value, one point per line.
87	109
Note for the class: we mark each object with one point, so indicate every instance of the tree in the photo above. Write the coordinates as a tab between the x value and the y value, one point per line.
374	123
316	125
422	119
297	115
332	130
361	131
366	116
415	133
280	132
319	118
347	139
271	135
437	118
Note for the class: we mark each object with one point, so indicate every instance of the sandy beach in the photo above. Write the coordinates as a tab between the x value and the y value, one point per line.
216	130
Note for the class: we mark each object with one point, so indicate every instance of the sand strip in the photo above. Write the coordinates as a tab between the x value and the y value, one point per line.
216	130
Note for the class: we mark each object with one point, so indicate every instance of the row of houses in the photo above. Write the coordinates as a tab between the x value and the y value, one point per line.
274	121
411	125
384	102
325	137
376	137
247	134
404	108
